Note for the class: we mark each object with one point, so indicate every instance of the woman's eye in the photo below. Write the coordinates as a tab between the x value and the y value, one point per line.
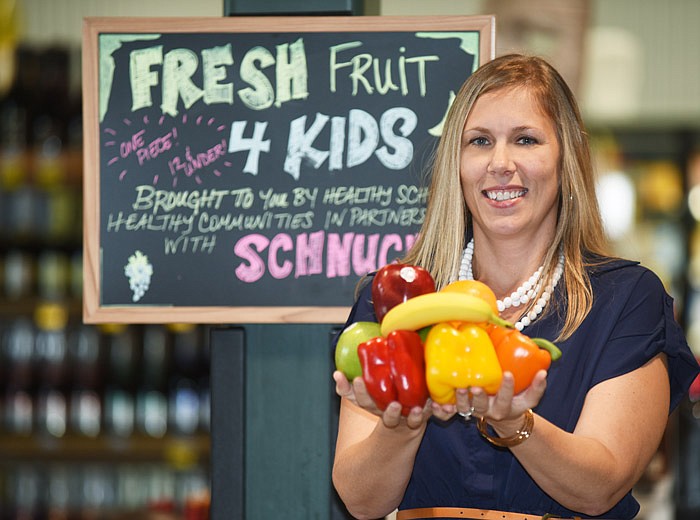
526	139
479	141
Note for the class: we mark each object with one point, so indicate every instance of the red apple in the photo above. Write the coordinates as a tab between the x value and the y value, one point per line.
395	283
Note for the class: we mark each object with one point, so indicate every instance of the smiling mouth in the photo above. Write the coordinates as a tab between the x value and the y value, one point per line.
504	195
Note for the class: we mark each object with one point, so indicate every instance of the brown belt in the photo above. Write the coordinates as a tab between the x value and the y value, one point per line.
466	514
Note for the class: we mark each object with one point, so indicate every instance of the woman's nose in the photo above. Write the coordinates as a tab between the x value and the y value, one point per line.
501	160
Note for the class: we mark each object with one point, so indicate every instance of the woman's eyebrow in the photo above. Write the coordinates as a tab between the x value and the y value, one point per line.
521	128
476	129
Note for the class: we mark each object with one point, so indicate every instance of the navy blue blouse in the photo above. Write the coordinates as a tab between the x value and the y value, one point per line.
631	321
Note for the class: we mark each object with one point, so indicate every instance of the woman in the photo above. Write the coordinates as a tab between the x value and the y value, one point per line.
513	194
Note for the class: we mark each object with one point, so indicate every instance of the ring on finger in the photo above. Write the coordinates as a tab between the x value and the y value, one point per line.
468	414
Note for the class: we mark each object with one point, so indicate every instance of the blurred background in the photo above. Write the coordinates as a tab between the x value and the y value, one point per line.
112	421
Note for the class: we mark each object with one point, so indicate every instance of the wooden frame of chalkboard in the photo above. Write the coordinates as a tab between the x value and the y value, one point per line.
252	169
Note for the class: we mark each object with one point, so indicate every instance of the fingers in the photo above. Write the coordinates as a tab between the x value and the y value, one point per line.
342	386
480	402
357	392
464	405
362	397
417	417
472	401
502	406
392	415
506	405
444	412
535	391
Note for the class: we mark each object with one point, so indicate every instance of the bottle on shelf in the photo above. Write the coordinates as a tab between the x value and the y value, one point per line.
53	275
19	212
152	391
18	356
51	358
184	391
58	199
122	350
19	275
60	492
20	199
87	364
25	483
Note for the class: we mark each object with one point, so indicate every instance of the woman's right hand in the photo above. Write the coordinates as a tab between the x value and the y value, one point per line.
356	392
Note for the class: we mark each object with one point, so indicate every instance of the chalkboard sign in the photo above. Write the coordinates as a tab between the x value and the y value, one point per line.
253	169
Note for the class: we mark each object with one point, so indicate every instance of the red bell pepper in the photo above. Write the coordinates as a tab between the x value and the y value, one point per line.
393	369
522	355
408	368
376	371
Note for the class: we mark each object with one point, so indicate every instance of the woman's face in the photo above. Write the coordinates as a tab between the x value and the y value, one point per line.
509	166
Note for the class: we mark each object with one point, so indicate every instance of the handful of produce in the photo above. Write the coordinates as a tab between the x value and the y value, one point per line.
429	343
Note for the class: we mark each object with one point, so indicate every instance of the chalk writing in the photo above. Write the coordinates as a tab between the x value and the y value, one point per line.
253	145
363	139
365	70
178	68
122	221
347	254
190	244
194	162
154	142
353	195
149	198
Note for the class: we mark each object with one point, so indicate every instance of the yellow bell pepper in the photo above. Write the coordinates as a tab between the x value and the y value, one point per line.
460	355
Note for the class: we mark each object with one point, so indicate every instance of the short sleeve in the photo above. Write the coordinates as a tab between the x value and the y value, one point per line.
682	364
644	328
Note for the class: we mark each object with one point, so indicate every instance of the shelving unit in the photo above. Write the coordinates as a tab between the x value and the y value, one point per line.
95	421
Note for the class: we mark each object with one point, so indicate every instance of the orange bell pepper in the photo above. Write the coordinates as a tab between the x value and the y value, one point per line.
459	357
522	355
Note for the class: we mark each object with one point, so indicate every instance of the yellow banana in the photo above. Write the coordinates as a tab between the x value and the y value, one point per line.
437	307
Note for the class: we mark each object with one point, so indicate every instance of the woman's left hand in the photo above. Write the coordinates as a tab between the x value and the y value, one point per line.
503	406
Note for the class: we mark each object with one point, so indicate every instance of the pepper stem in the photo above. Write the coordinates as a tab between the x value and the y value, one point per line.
497	320
550	347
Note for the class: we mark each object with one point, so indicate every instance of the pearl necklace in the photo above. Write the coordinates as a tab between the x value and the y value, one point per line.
523	294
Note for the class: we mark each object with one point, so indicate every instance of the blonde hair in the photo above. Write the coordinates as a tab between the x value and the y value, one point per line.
579	229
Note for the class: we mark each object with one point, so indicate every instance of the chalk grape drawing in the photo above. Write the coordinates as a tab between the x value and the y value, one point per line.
139	272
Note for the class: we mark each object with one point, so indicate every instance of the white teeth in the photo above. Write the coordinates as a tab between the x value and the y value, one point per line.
505	195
